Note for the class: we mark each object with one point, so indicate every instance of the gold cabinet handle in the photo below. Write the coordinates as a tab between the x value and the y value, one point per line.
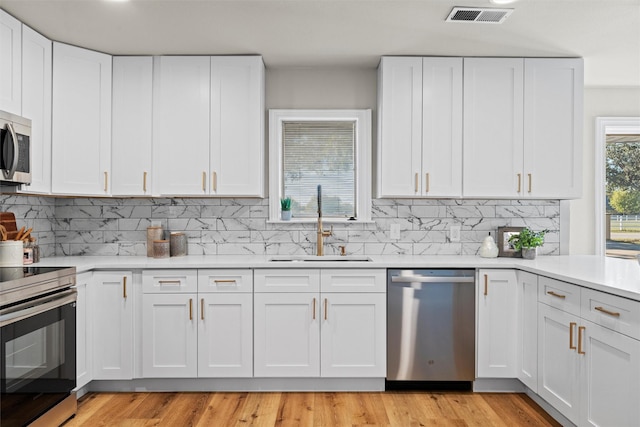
325	309
216	281
106	181
486	284
169	282
556	295
124	287
571	326
190	308
519	182
581	329
314	309
214	181
426	182
144	182
416	183
204	181
610	313
529	175
202	308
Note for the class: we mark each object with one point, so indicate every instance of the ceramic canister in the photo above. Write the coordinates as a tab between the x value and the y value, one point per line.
153	233
11	253
178	244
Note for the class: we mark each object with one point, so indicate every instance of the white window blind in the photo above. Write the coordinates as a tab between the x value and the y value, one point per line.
320	153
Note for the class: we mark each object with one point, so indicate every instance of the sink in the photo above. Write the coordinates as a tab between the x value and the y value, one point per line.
313	258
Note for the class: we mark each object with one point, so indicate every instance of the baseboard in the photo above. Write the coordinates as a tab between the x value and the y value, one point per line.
498	385
553	412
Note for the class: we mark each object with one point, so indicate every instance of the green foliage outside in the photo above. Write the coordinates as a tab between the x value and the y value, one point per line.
625	201
623	177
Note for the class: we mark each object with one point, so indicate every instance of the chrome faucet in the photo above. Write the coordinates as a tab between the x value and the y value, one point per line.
321	233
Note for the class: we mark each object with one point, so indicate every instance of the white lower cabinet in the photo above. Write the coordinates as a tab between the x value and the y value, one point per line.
169	336
527	330
496	327
112	302
589	372
320	334
188	334
84	353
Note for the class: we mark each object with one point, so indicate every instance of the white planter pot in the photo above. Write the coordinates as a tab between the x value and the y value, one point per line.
285	215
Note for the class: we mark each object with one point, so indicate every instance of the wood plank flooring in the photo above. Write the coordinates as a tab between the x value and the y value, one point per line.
391	408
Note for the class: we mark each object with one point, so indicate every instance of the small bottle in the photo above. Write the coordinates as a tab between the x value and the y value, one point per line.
28	253
36	249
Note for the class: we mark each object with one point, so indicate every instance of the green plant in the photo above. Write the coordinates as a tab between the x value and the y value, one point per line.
527	238
285	204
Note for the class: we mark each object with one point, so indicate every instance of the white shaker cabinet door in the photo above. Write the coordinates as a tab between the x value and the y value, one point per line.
181	91
237	126
353	335
493	127
553	92
84	334
131	126
611	375
286	335
496	340
400	127
527	332
169	336
441	127
225	335
112	303
81	147
36	105
11	64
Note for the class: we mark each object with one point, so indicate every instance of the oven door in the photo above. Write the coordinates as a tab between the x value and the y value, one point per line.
15	153
38	356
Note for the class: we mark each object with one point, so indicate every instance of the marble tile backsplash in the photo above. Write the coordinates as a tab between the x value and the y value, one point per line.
111	226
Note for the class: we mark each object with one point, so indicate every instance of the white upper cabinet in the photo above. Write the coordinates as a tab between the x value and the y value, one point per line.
493	127
131	125
553	93
399	126
420	127
441	127
208	126
11	64
81	147
523	128
181	125
36	105
237	126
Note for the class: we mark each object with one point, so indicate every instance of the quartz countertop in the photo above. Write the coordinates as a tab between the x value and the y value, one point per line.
616	276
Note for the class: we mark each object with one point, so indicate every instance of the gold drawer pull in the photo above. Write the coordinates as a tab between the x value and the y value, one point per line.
314	309
214	180
416	183
190	308
106	181
427	184
557	295
581	329
204	181
124	287
325	309
610	313
486	280
144	182
169	282
529	182
571	326
224	281
519	182
202	308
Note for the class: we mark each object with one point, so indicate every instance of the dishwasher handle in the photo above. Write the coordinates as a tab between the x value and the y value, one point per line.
433	279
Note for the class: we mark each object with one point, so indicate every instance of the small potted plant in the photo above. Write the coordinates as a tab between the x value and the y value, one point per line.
528	241
285	208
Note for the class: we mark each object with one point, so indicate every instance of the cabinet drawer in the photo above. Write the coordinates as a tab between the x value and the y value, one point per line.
561	295
612	312
286	280
368	280
225	281
172	281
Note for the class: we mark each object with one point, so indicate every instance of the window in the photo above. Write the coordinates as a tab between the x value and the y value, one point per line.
327	148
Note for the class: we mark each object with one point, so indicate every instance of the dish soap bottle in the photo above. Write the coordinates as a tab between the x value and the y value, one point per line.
488	249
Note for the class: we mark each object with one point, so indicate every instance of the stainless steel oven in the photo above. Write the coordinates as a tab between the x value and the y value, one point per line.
37	346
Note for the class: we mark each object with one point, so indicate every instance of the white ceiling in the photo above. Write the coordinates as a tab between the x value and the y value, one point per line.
349	33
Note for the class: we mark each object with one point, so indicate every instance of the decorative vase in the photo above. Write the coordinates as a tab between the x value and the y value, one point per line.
529	253
285	215
488	249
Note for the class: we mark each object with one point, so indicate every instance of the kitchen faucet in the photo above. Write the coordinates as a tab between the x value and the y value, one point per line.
321	233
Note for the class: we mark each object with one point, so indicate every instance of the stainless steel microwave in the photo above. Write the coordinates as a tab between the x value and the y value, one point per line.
15	149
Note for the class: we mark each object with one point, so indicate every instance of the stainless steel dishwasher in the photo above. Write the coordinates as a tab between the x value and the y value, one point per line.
431	325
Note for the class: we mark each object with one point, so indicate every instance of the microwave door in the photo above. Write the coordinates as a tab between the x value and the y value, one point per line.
9	152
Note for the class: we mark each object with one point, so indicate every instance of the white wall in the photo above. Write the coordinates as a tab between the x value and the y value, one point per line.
598	102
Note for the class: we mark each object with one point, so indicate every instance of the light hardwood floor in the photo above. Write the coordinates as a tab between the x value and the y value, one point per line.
395	408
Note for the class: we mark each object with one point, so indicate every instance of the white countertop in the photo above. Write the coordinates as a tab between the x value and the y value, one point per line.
615	276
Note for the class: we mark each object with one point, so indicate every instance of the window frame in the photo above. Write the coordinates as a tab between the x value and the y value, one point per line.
362	159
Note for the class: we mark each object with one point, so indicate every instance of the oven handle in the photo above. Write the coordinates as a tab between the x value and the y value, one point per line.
23	311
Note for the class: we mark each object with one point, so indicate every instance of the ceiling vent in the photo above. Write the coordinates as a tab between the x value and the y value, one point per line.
478	14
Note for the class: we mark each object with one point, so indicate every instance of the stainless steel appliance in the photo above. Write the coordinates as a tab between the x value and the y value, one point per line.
431	325
15	149
37	345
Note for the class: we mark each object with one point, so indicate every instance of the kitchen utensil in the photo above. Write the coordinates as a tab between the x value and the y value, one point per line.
3	233
20	234
26	236
8	220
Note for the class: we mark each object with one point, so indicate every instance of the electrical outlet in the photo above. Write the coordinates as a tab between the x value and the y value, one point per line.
454	233
394	232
